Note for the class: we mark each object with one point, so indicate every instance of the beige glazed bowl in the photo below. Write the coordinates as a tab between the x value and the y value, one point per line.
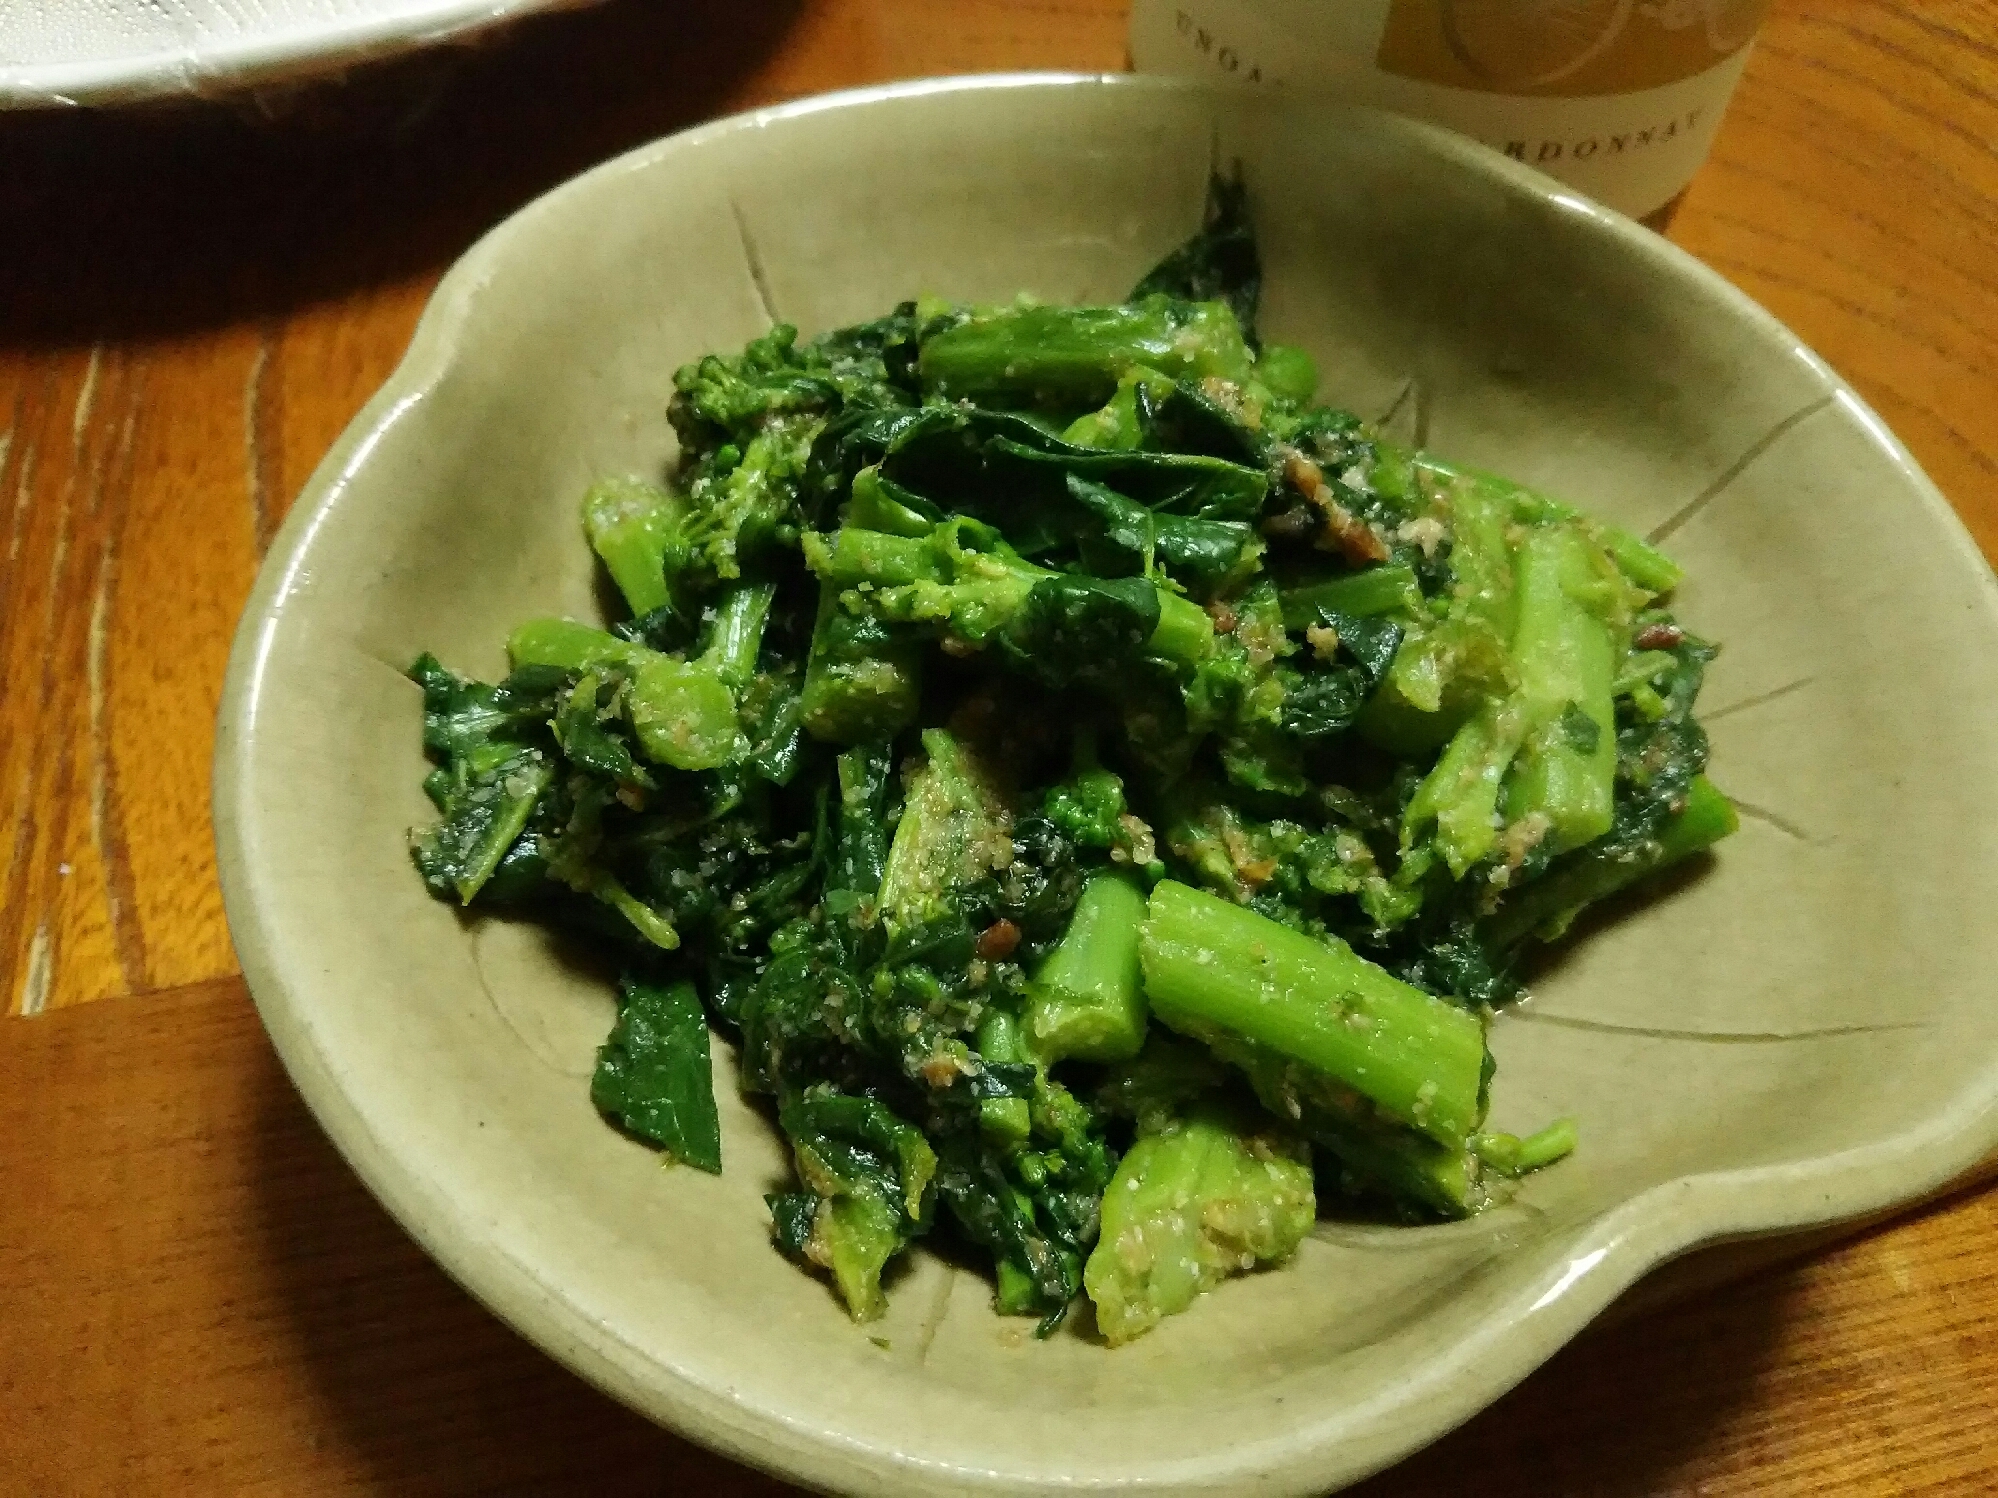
1805	1030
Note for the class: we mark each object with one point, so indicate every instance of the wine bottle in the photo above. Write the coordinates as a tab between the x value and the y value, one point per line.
1617	98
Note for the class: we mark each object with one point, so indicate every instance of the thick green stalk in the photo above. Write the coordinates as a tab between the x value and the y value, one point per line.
1213	968
1087	1001
1377	1157
1566	659
855	557
1400	1163
1483	567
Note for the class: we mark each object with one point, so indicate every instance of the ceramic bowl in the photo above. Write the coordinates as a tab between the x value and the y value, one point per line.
1802	1031
58	54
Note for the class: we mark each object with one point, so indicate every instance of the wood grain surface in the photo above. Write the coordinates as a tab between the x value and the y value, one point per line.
195	1295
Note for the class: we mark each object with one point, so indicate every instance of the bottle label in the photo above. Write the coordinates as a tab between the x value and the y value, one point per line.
1619	98
1563	50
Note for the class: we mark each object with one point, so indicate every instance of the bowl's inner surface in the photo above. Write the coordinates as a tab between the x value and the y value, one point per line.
1815	991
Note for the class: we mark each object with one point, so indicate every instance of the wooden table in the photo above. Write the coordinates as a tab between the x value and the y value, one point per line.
195	1294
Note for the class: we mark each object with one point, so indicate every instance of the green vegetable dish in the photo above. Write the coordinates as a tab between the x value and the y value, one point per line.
1102	795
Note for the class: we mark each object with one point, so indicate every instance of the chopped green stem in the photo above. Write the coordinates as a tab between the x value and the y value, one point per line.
1087	1001
1638	560
1448	665
1642	667
999	1038
1185	633
1567	666
1708	817
953	830
638	530
1210	1195
1287	372
1073	357
937	582
1460	795
736	635
933	580
1390	588
1117	425
878	505
569	646
861	682
1377	1157
860	849
1005	1121
684	715
648	922
1400	1164
683	712
1513	1157
1483	566
1211	966
853	558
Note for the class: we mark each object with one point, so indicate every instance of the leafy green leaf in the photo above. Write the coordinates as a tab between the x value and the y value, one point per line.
1220	263
654	1076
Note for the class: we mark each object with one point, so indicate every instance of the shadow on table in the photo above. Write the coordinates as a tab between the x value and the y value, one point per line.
169	218
433	1394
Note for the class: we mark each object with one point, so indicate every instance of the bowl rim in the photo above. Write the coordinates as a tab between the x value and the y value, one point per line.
231	65
1610	1253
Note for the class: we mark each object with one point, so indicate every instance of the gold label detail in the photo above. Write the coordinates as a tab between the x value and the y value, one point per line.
1563	48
